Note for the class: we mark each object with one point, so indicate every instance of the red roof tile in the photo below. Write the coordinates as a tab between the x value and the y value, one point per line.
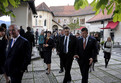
43	7
100	17
70	11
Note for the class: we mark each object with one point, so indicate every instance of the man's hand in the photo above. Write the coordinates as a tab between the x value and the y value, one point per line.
91	60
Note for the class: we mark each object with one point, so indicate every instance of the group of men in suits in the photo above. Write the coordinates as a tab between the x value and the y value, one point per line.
83	49
69	47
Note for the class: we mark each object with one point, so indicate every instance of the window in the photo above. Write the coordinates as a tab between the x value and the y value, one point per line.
65	20
58	20
82	21
40	16
45	23
40	22
74	21
36	22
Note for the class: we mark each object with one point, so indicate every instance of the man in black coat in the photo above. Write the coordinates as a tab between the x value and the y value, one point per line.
61	34
18	55
22	32
67	47
86	50
30	37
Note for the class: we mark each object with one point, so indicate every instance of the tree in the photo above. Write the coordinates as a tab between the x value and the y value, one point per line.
110	5
4	6
74	25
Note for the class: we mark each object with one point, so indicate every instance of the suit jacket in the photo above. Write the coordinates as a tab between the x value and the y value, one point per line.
30	37
89	51
50	42
18	57
3	45
71	47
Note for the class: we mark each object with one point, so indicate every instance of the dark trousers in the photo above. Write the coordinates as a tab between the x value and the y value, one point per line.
41	50
61	61
67	61
36	39
107	57
17	77
84	68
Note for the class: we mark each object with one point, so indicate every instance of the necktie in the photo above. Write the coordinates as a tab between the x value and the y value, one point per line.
13	42
84	44
65	45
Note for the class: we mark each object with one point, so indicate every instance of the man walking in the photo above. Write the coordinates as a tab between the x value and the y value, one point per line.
18	55
36	35
67	47
86	50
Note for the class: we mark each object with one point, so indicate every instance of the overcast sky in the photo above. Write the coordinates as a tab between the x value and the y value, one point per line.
56	2
49	3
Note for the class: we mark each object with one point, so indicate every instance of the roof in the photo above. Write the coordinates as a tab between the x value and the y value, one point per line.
32	6
100	17
70	11
43	7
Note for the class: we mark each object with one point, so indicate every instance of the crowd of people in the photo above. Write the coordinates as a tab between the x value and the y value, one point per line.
16	51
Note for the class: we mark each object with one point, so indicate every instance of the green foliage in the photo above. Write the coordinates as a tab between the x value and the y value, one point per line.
102	42
4	4
109	5
74	25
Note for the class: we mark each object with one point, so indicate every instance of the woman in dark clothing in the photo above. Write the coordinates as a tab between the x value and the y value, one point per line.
3	45
47	49
95	59
107	51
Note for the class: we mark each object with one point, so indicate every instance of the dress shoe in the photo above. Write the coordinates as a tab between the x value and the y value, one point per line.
60	71
47	69
47	73
69	82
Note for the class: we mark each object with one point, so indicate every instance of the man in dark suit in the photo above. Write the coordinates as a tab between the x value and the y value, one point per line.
61	34
86	50
18	55
30	37
67	47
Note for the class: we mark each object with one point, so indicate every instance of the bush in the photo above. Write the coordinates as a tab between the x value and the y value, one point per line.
102	42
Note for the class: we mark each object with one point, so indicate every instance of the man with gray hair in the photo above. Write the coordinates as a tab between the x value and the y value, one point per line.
18	55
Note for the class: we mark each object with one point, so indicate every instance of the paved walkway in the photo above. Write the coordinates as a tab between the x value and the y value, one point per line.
36	73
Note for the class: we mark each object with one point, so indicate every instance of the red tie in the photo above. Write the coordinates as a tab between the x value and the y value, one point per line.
84	44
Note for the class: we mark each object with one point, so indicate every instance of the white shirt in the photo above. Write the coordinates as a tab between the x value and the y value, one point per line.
14	40
86	40
67	42
1	38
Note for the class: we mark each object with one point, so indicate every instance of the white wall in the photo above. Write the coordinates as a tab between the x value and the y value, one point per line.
45	16
117	33
21	14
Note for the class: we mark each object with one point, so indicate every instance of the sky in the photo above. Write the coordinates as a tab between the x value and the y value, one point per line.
49	3
57	2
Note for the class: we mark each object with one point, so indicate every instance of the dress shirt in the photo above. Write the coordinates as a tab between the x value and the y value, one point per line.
86	40
14	40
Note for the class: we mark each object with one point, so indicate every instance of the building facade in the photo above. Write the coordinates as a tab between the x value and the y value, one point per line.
58	16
